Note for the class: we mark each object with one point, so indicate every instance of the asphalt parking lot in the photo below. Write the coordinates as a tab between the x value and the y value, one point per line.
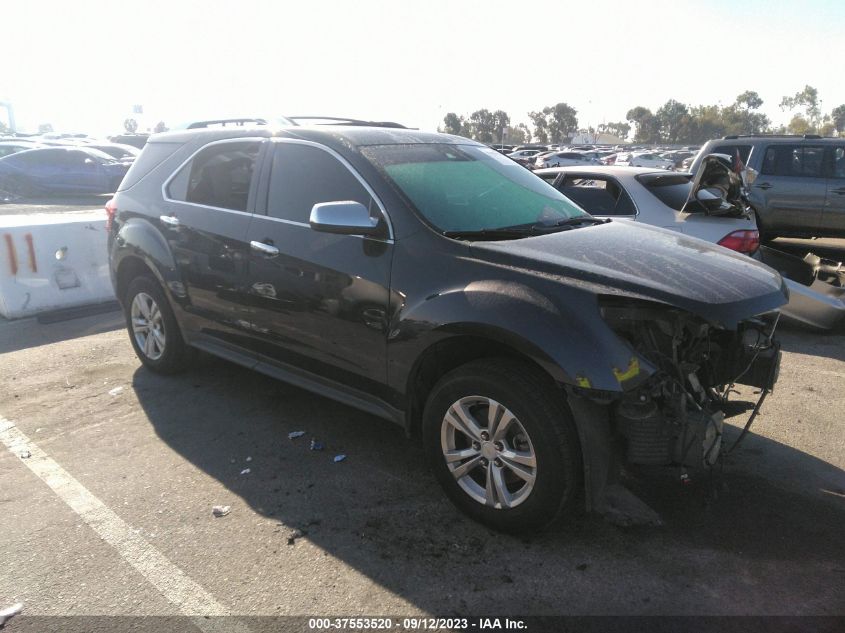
111	512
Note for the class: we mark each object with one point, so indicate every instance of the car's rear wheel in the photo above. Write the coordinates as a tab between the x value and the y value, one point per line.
153	329
502	443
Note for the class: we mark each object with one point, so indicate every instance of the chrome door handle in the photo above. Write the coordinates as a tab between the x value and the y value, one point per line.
763	185
840	191
268	250
170	220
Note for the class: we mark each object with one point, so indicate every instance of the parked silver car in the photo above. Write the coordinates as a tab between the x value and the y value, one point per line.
563	159
652	197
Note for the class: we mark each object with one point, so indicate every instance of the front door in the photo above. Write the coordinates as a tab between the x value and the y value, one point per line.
791	189
320	300
833	217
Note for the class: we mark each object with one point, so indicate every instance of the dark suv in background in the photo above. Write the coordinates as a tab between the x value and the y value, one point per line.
431	281
800	187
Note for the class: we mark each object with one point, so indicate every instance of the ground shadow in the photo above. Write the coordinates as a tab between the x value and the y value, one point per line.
381	512
18	334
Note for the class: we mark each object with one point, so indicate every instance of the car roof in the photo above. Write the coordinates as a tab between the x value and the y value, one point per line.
326	134
774	138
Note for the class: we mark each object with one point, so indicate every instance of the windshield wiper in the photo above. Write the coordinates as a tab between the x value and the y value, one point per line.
502	233
523	230
580	219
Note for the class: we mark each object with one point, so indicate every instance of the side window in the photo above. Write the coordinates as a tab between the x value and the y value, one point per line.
839	161
303	176
218	176
598	196
794	160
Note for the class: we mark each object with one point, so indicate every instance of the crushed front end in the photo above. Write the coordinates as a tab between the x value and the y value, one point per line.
674	413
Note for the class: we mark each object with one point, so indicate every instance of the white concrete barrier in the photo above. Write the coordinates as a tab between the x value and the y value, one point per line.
50	261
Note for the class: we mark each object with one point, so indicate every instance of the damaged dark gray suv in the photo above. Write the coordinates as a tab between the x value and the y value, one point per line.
430	281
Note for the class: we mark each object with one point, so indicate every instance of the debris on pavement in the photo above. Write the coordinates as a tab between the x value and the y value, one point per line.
246	471
294	535
9	612
339	458
221	511
316	446
295	434
248	459
25	454
115	391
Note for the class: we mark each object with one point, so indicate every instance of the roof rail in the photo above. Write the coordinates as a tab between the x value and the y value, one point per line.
332	120
224	122
736	136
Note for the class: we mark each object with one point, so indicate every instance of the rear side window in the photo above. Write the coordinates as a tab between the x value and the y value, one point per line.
794	160
598	196
153	155
218	176
303	176
839	162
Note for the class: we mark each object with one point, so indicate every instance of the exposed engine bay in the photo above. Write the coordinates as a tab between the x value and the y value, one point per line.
676	416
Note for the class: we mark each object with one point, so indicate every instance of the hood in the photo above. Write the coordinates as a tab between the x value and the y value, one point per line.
647	262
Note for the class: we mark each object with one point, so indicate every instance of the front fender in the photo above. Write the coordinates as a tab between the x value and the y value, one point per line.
564	334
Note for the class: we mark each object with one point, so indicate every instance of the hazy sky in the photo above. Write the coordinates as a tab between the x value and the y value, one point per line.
82	65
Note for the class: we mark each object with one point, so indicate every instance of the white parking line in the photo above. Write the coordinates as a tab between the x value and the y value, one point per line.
190	598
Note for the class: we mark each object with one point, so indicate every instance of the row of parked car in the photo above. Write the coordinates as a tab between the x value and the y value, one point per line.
62	164
562	156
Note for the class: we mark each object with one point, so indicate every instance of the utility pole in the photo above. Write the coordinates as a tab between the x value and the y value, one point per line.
10	114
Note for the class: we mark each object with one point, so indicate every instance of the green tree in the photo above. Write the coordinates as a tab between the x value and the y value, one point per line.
808	99
620	129
838	117
517	134
452	123
501	123
800	125
673	121
130	125
482	125
541	126
562	121
749	100
646	125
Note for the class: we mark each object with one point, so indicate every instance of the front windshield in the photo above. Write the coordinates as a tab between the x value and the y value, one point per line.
470	188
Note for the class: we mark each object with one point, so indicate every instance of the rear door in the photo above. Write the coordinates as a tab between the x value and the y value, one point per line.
205	217
790	192
321	300
833	216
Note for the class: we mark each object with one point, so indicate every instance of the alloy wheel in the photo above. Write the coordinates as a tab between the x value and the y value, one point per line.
488	452
148	326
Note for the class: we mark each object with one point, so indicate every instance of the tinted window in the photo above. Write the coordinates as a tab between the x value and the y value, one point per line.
302	176
794	160
218	176
839	162
671	190
598	196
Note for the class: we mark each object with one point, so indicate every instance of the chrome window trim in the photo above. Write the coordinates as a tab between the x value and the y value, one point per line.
167	198
349	167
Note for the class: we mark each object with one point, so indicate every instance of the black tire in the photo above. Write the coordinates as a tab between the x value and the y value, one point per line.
541	412
176	355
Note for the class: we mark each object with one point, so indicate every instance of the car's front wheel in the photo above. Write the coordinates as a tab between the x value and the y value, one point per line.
153	329
503	445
